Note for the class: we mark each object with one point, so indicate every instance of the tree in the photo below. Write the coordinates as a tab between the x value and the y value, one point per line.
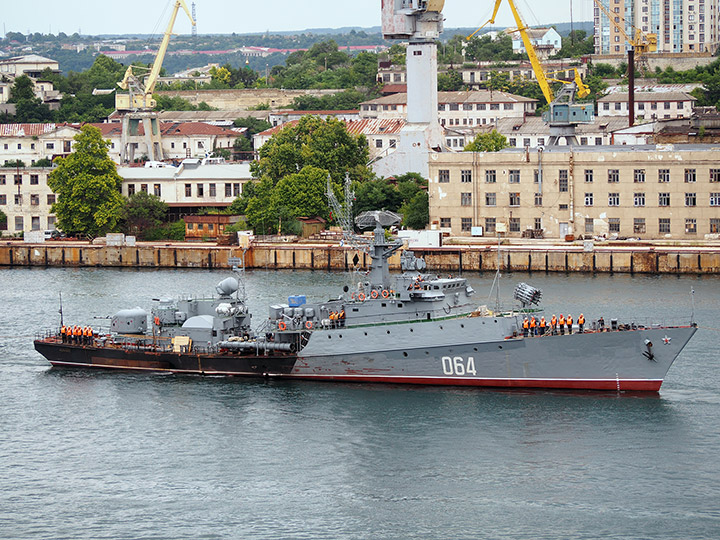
88	187
301	194
451	81
28	108
143	212
416	212
325	144
487	142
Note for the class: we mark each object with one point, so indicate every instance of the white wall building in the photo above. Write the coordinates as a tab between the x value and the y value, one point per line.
26	199
546	41
648	105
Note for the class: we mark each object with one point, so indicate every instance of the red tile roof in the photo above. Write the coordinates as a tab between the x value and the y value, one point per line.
365	126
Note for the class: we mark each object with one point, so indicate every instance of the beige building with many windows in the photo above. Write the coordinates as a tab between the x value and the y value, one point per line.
26	199
645	192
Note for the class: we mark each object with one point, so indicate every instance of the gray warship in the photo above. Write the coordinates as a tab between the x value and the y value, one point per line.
411	328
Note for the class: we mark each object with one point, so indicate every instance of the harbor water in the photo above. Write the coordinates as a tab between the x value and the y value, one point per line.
113	455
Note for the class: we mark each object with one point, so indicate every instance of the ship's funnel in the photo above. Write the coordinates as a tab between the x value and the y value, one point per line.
227	286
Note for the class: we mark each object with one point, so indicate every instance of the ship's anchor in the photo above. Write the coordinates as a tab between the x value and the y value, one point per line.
649	354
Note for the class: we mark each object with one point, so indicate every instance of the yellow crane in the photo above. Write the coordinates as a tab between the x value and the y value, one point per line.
140	93
564	114
641	43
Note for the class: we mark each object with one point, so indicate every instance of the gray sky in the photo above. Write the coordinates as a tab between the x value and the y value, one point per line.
243	16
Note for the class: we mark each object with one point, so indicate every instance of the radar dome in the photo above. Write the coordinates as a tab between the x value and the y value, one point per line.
227	286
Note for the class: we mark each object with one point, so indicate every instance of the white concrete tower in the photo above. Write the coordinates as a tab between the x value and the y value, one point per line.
420	22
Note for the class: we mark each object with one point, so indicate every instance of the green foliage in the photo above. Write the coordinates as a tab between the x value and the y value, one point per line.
3	217
576	44
406	195
324	144
173	103
14	164
88	187
22	89
221	152
28	108
484	49
416	212
487	142
450	82
168	231
143	212
300	194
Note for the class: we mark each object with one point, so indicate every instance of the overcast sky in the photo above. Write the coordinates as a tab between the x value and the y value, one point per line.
244	16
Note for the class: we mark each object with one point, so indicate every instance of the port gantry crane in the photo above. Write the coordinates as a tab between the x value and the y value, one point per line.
138	104
640	45
563	114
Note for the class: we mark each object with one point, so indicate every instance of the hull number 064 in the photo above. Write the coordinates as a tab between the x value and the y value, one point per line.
458	365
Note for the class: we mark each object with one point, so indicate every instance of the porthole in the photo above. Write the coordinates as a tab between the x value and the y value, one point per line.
405	354
499	346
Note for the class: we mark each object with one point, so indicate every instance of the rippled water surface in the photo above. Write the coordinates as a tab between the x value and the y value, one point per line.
115	455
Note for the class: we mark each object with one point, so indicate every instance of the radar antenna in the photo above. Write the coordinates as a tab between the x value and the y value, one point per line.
343	215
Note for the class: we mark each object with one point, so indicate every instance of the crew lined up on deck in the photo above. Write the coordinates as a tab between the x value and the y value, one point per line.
557	325
77	335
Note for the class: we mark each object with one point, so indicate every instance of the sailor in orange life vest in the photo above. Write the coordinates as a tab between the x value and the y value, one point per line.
561	324
543	325
581	323
553	325
569	323
533	326
526	327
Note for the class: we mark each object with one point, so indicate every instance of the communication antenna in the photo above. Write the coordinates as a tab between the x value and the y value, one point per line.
692	301
194	16
343	215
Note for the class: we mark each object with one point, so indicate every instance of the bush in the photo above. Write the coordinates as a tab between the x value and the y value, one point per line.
168	231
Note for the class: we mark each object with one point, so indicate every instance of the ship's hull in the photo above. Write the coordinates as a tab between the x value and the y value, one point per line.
420	353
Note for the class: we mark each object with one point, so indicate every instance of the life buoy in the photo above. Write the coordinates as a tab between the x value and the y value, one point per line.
308	325
374	294
282	326
361	297
385	294
352	296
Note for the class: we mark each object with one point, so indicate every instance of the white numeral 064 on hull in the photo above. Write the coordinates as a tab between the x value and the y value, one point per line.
458	365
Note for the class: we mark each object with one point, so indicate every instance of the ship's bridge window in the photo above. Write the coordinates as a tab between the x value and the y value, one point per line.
436	287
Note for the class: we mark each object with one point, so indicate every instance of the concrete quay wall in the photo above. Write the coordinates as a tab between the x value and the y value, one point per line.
322	257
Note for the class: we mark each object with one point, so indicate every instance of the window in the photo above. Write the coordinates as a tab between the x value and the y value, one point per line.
19	225
465	176
444	176
690	226
508	106
2	179
514	176
466	199
490	199
613	176
228	190
715	199
563	206
465	224
606	106
34	179
494	106
512	142
618	106
690	199
639	175
188	190
715	175
588	176
50	146
514	224
157	190
639	225
664	175
393	143
445	222
514	199
538	224
490	225
598	141
51	199
236	189
563	180
690	175
614	225
588	199
664	225
663	199
212	190
131	189
200	190
378	143
490	176
35	200
541	141
3	200
589	225
639	199
35	223
715	225
583	141
18	179
666	104
454	106
144	187
538	199
526	142
613	199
